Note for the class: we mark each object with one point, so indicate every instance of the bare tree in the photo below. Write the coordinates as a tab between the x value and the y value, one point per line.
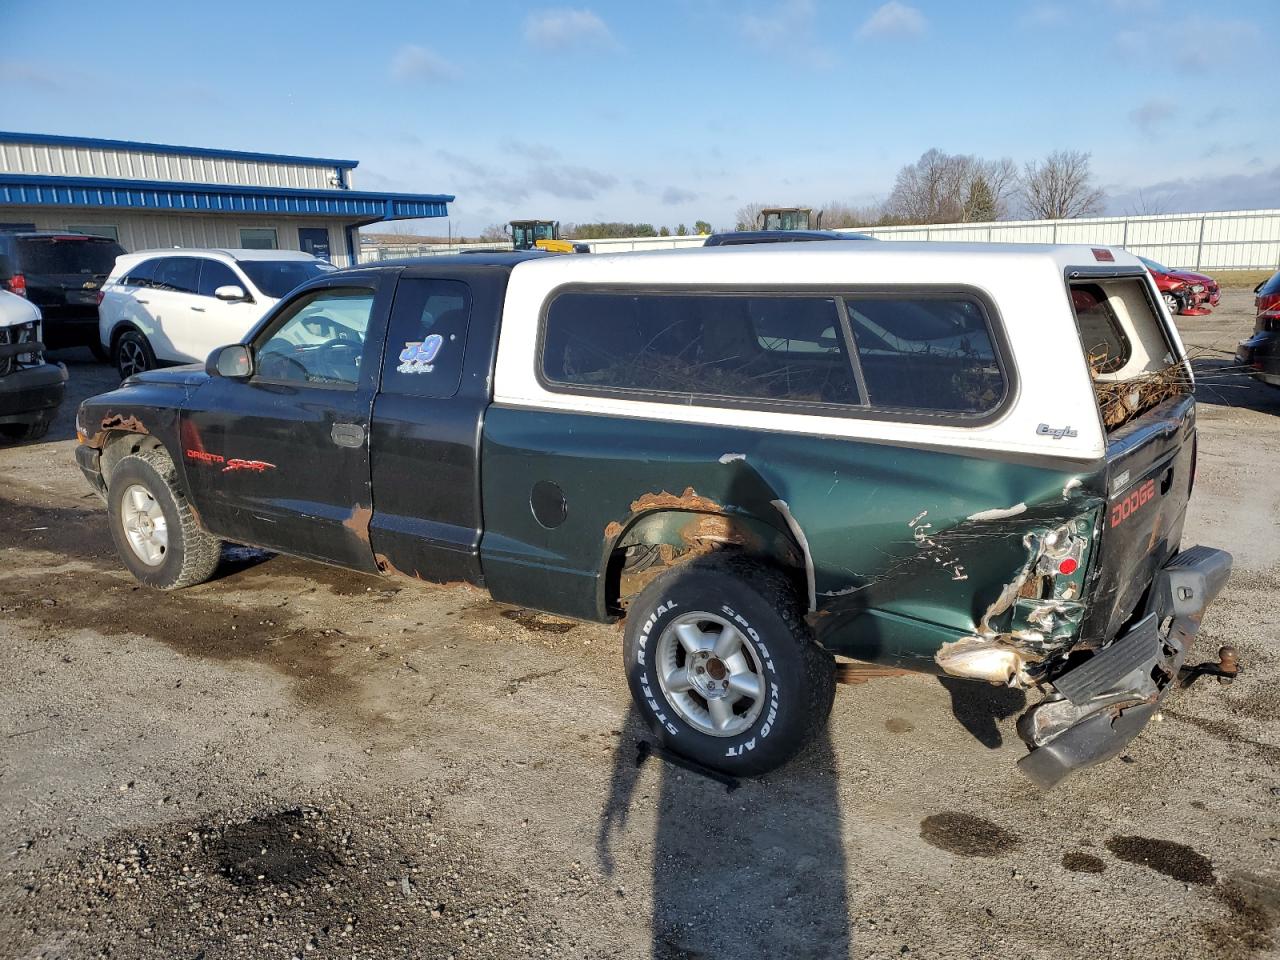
1060	187
748	216
494	233
1144	204
949	188
837	215
1003	182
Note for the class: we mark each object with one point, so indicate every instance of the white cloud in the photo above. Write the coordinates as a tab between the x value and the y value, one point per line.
414	63
570	183
893	19
782	21
674	196
562	28
1043	15
1151	116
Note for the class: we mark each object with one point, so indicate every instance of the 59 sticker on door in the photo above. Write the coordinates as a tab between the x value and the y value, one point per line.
419	356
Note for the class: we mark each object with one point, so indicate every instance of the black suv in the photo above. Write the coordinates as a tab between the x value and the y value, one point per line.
62	274
741	237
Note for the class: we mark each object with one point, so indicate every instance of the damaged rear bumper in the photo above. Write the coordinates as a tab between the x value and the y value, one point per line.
1099	706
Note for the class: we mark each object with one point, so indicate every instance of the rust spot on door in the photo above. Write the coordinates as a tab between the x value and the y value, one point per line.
358	522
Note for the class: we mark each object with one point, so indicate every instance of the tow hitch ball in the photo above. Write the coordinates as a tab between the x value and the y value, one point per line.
1226	669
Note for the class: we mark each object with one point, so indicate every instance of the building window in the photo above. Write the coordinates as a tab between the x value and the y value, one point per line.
110	231
258	238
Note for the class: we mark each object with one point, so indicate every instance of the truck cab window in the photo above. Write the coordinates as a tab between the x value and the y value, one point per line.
426	338
318	340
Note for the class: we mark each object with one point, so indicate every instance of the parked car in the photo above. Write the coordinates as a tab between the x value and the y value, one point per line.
175	306
896	452
1261	352
1184	292
740	237
62	274
30	389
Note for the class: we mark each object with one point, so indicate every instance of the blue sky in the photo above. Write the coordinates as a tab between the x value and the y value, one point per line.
668	112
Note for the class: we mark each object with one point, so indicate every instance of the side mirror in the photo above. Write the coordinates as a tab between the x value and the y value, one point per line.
232	293
234	361
6	266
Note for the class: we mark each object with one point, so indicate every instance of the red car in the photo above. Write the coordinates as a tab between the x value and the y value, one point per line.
1190	294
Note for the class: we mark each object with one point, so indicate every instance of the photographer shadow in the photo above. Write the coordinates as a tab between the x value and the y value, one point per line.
754	872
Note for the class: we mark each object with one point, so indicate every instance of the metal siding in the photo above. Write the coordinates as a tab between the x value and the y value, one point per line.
158	231
37	158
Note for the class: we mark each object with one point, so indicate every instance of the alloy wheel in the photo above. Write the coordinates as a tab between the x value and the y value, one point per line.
710	672
144	524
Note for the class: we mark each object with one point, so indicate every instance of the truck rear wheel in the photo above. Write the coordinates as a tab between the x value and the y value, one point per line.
154	530
723	668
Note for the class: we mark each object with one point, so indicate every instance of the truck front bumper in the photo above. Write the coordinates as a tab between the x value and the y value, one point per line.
1102	704
30	394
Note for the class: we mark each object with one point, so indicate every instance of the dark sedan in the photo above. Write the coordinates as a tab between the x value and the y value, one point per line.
1261	352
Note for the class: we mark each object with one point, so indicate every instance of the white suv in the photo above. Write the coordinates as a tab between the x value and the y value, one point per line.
177	306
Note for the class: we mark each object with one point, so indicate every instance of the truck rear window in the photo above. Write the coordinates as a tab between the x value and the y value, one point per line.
1133	363
54	255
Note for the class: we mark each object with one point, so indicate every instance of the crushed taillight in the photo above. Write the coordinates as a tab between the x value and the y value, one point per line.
17	284
1195	457
99	298
1267	302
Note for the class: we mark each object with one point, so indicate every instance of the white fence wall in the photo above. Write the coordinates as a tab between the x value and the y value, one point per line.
1228	240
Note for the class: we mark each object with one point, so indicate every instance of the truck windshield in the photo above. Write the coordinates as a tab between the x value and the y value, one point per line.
275	278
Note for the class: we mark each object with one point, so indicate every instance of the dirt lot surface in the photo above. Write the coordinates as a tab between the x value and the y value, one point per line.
295	761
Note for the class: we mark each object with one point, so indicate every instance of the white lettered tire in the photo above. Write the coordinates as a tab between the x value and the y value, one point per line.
153	526
723	668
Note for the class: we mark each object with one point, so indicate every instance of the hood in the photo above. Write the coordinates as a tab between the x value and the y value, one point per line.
15	310
1186	276
189	375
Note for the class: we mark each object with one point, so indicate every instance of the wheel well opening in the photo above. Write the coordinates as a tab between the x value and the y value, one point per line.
120	444
120	331
658	542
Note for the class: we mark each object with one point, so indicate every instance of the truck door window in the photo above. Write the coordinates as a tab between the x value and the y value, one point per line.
932	354
426	338
317	340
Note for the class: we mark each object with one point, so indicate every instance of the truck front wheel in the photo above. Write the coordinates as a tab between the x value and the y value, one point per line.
153	527
723	668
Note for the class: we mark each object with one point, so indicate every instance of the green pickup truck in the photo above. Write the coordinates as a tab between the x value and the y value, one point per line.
972	460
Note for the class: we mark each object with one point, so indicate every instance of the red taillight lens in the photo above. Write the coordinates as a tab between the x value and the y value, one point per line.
99	298
18	284
1068	566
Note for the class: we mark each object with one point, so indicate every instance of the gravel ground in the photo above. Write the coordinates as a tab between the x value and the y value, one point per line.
293	760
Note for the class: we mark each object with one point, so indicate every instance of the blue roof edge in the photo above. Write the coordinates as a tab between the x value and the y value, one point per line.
53	139
113	183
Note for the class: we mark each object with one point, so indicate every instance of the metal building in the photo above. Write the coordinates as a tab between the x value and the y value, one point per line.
151	195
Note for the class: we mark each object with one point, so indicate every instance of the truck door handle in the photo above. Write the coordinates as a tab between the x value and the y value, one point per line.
347	434
140	300
198	309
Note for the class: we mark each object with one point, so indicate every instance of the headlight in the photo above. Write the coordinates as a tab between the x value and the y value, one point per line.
1197	288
